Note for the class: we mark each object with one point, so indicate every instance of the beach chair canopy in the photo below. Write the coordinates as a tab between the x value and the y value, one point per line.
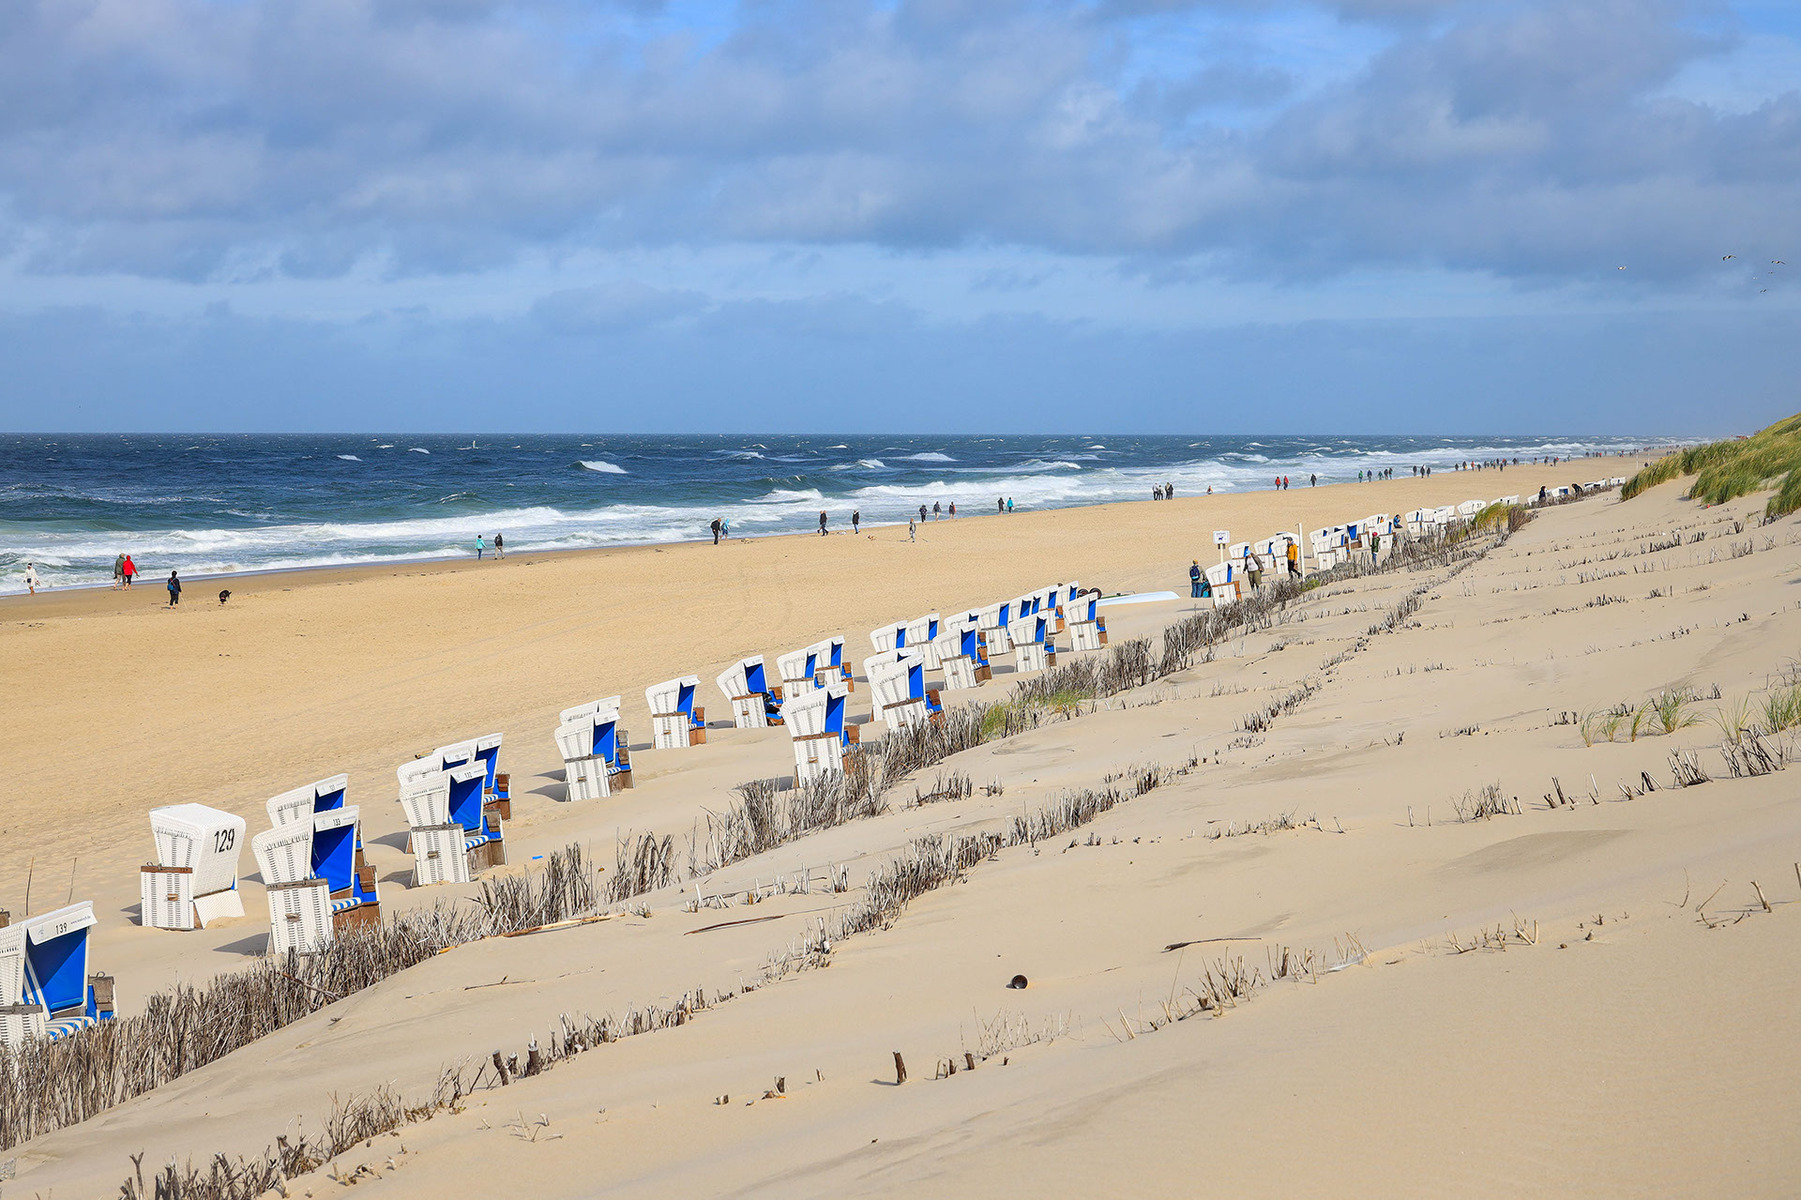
798	666
996	616
206	840
921	630
426	802
672	697
284	854
56	954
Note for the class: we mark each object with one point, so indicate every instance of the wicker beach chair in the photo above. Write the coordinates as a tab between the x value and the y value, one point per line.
194	879
675	720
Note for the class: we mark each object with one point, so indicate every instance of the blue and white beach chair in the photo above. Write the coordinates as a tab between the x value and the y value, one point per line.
831	663
1086	629
436	841
194	879
818	723
45	988
890	637
921	633
745	685
1033	646
962	656
300	918
596	754
799	670
901	697
675	720
993	621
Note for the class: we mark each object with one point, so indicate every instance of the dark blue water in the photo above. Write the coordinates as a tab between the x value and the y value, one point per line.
233	503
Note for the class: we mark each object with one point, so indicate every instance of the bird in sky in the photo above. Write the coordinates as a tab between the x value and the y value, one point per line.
1619	268
1777	262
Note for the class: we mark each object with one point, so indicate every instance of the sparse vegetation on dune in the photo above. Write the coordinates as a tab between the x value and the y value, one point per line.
1726	470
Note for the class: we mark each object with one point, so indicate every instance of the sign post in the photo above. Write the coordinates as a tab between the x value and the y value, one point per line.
1222	538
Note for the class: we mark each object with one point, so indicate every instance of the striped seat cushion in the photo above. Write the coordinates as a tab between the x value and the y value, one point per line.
479	840
346	904
67	1025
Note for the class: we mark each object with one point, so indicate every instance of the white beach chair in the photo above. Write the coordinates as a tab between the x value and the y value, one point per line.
880	660
993	621
829	657
1470	508
746	689
885	638
799	670
45	988
919	636
901	697
1222	578
596	753
675	720
1033	647
337	858
962	656
194	880
299	902
1086	629
436	840
823	737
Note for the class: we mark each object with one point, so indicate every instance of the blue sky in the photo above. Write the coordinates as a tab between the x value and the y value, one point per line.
1148	215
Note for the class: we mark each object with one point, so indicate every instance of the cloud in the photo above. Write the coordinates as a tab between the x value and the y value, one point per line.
615	306
1534	140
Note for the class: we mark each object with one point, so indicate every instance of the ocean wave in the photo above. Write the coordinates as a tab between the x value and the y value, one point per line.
739	454
928	456
350	458
386	446
600	465
417	450
787	496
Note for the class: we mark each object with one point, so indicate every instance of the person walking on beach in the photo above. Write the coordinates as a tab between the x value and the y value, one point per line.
1195	579
912	530
129	571
822	522
937	511
1294	560
953	510
725	529
1169	491
1313	481
480	546
119	572
1009	504
174	589
715	528
31	578
1000	504
922	514
856	519
499	551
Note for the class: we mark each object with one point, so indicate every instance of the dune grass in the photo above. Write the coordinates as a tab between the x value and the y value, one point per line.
1725	470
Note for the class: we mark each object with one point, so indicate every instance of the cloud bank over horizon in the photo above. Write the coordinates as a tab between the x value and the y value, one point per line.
1160	191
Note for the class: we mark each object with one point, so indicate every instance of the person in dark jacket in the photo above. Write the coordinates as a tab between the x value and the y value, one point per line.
715	531
174	589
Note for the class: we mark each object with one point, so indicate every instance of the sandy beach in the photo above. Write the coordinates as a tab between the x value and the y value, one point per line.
1578	998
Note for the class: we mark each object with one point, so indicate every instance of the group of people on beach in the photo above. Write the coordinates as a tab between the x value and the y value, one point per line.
481	546
1164	491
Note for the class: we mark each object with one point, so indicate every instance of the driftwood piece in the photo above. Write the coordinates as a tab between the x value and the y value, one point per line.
900	1069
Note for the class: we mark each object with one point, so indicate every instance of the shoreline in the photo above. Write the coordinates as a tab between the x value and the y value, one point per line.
349	572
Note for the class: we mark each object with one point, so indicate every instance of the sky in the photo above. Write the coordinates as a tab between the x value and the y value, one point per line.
1216	216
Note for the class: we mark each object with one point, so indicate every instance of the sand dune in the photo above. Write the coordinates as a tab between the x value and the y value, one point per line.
1526	1003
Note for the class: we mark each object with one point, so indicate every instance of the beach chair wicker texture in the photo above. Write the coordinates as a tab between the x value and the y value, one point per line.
56	971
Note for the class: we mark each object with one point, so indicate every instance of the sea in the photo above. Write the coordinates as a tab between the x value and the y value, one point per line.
213	505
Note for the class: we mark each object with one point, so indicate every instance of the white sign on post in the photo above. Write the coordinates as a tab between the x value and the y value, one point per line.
1222	537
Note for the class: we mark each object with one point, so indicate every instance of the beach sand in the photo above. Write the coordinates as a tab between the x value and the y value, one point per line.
1621	1043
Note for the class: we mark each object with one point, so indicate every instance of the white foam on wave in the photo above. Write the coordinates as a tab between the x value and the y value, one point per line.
600	465
350	458
385	446
928	456
417	450
739	454
786	496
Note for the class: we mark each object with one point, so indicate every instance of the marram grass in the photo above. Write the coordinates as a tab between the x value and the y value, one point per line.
1725	470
